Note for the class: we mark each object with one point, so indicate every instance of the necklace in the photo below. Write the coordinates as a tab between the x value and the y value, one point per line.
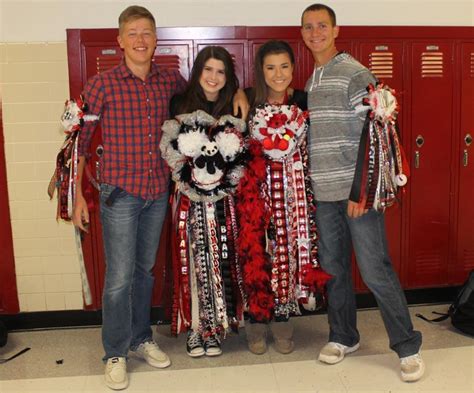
275	102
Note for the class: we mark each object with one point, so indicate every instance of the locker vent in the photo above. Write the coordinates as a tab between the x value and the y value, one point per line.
471	68
468	259
381	64
103	63
432	64
167	61
428	262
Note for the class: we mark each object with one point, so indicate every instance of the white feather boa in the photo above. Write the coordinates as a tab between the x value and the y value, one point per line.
205	154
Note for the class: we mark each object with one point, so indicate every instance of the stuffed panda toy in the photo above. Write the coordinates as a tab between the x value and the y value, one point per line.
211	159
205	154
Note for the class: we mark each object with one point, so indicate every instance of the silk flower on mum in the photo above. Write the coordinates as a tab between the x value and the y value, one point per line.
279	128
206	155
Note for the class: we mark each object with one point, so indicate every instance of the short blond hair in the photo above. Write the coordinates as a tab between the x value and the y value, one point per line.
135	12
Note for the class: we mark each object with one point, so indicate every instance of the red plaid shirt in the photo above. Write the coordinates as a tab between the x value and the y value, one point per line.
131	114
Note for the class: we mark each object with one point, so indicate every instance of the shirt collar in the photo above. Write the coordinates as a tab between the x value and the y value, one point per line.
124	71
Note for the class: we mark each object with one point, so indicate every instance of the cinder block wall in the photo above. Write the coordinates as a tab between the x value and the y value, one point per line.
34	85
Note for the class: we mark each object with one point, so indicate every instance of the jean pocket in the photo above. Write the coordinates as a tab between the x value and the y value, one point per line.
109	193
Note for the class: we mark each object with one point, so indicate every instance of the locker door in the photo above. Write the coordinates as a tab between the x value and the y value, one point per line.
98	58
236	48
464	261
430	140
346	46
385	60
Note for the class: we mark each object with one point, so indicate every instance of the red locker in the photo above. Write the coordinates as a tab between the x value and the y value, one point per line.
463	257
429	232
385	60
430	139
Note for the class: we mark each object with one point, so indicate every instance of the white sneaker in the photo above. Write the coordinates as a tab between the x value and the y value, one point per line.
333	352
412	367
116	377
153	355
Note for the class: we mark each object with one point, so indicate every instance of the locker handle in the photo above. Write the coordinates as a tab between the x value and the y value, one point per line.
465	157
419	140
417	159
468	139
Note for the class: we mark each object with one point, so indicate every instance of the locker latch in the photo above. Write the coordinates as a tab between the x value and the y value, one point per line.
468	139
465	156
419	142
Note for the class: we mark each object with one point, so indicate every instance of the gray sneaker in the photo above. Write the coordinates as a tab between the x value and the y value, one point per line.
153	355
412	367
116	377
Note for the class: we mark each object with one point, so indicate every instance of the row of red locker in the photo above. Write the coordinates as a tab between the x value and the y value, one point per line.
432	69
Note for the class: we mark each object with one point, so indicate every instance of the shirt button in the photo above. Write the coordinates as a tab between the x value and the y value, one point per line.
149	117
150	170
147	100
149	153
149	135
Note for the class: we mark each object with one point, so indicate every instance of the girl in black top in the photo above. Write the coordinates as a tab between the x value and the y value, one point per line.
211	88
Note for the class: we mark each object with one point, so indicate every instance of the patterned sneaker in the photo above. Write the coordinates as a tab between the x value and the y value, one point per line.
412	367
212	346
116	377
333	353
194	344
153	355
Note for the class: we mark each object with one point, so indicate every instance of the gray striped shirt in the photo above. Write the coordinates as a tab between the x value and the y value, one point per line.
335	94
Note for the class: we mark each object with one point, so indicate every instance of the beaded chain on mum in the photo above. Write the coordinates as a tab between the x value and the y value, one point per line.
64	178
381	167
206	157
287	232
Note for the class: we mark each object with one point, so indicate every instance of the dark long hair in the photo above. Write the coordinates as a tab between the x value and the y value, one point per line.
272	47
194	97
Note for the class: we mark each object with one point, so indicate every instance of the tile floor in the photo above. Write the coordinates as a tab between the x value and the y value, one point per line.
374	368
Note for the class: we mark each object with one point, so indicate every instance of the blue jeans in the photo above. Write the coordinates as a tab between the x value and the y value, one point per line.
131	229
336	230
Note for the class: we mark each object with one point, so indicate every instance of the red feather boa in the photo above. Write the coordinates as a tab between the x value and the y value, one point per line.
315	278
254	217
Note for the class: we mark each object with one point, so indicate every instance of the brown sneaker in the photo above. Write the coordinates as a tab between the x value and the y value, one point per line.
283	336
412	367
256	337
